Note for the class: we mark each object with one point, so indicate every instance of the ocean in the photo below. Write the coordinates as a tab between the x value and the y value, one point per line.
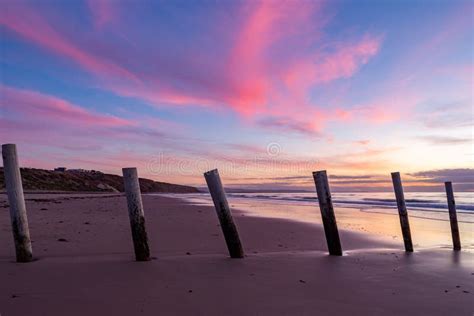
416	201
301	206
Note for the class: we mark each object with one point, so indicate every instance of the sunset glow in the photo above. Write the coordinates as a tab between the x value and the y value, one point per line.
266	91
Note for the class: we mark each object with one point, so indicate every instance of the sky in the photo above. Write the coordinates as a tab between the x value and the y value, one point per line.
265	91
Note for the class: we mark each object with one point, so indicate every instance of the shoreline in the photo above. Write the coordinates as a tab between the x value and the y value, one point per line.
376	223
286	270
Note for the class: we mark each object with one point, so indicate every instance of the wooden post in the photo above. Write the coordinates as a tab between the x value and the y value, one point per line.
136	214
16	199
453	219
327	213
402	211
223	213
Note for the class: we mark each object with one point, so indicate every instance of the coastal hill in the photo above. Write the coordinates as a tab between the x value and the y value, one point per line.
87	181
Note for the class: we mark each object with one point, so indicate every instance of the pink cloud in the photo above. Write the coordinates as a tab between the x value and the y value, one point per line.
289	124
385	108
271	24
316	69
363	142
38	106
343	61
25	21
146	92
388	108
266	23
346	60
103	11
38	118
259	77
41	120
259	31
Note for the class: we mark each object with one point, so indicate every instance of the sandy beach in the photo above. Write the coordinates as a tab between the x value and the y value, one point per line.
86	266
430	228
236	158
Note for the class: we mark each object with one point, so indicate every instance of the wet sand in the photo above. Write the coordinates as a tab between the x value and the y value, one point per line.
429	229
85	266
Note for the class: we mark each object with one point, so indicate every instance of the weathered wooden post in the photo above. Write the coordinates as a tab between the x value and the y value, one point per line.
327	213
453	219
16	199
223	213
402	211
136	214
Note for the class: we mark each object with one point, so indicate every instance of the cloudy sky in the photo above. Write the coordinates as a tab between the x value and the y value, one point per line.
266	91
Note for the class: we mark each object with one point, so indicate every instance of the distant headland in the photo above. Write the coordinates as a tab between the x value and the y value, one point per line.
80	180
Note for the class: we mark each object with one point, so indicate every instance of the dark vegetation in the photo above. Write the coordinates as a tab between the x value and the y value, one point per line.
87	181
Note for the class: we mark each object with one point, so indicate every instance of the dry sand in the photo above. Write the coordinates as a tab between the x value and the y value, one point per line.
286	271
